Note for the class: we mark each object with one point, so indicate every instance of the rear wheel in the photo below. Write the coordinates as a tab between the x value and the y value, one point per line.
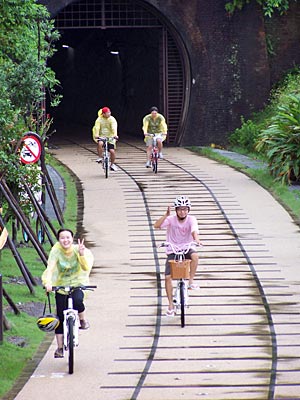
182	305
71	344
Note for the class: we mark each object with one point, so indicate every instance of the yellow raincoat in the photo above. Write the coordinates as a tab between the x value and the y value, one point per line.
68	267
105	127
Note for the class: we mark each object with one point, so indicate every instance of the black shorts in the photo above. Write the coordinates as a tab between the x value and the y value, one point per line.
110	146
172	257
62	303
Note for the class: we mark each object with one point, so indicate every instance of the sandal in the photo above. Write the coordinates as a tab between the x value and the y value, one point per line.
194	286
84	324
59	353
170	313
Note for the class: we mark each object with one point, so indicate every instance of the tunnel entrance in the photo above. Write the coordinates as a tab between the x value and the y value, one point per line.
120	54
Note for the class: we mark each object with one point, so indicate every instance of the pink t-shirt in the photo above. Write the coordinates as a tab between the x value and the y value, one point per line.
179	233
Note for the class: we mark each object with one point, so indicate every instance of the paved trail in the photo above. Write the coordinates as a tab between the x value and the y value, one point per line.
106	232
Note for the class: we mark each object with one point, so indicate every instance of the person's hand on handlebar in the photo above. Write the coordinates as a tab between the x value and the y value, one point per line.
198	242
99	138
48	288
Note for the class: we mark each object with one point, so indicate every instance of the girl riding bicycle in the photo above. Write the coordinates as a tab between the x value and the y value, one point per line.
68	265
181	228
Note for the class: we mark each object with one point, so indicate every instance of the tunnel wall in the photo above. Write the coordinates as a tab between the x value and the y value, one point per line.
231	70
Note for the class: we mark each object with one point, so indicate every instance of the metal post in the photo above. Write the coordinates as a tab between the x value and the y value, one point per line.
1	312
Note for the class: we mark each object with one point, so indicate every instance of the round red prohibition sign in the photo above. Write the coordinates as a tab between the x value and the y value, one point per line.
31	150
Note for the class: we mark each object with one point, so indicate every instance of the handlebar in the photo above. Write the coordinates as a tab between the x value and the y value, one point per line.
71	288
183	249
107	138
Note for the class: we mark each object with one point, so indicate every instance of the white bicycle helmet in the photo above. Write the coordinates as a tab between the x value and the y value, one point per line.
182	201
47	323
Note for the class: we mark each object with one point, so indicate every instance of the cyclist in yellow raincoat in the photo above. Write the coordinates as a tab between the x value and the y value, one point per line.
106	126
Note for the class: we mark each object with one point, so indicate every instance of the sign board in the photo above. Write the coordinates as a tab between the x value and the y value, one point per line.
31	149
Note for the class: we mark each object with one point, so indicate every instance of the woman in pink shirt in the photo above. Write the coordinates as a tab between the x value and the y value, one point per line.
182	228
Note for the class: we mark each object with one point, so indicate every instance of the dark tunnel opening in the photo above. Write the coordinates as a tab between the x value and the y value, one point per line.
118	68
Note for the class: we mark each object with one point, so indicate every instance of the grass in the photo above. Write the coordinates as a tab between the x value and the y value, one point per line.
289	199
14	358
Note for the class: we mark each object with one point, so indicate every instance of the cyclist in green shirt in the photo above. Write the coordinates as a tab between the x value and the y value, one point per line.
155	124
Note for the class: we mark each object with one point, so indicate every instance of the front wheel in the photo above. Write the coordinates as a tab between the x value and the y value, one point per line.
70	323
182	304
106	166
154	163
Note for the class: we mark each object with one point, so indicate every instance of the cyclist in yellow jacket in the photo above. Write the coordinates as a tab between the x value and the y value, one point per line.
154	123
106	126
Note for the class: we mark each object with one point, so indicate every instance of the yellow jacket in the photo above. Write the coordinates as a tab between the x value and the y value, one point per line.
67	267
156	125
105	127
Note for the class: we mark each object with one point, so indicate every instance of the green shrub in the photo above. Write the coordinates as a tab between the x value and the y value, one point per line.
245	136
280	141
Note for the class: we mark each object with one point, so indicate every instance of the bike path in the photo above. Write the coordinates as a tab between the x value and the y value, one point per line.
106	233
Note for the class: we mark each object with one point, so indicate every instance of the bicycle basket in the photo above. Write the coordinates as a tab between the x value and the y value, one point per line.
180	269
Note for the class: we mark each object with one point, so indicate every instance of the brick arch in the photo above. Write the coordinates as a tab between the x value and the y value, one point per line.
174	69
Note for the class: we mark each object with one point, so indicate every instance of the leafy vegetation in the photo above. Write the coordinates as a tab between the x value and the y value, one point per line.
254	134
281	141
268	6
26	36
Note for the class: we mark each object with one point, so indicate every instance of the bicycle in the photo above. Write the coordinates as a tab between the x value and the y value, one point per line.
154	152
71	322
106	154
39	230
180	270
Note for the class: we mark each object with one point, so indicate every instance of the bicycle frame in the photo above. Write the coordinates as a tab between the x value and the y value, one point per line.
181	297
106	156
154	152
70	313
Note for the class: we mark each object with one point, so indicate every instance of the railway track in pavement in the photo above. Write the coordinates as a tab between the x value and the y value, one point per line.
236	342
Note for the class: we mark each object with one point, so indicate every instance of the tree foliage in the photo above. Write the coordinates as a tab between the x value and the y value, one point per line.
268	6
26	35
